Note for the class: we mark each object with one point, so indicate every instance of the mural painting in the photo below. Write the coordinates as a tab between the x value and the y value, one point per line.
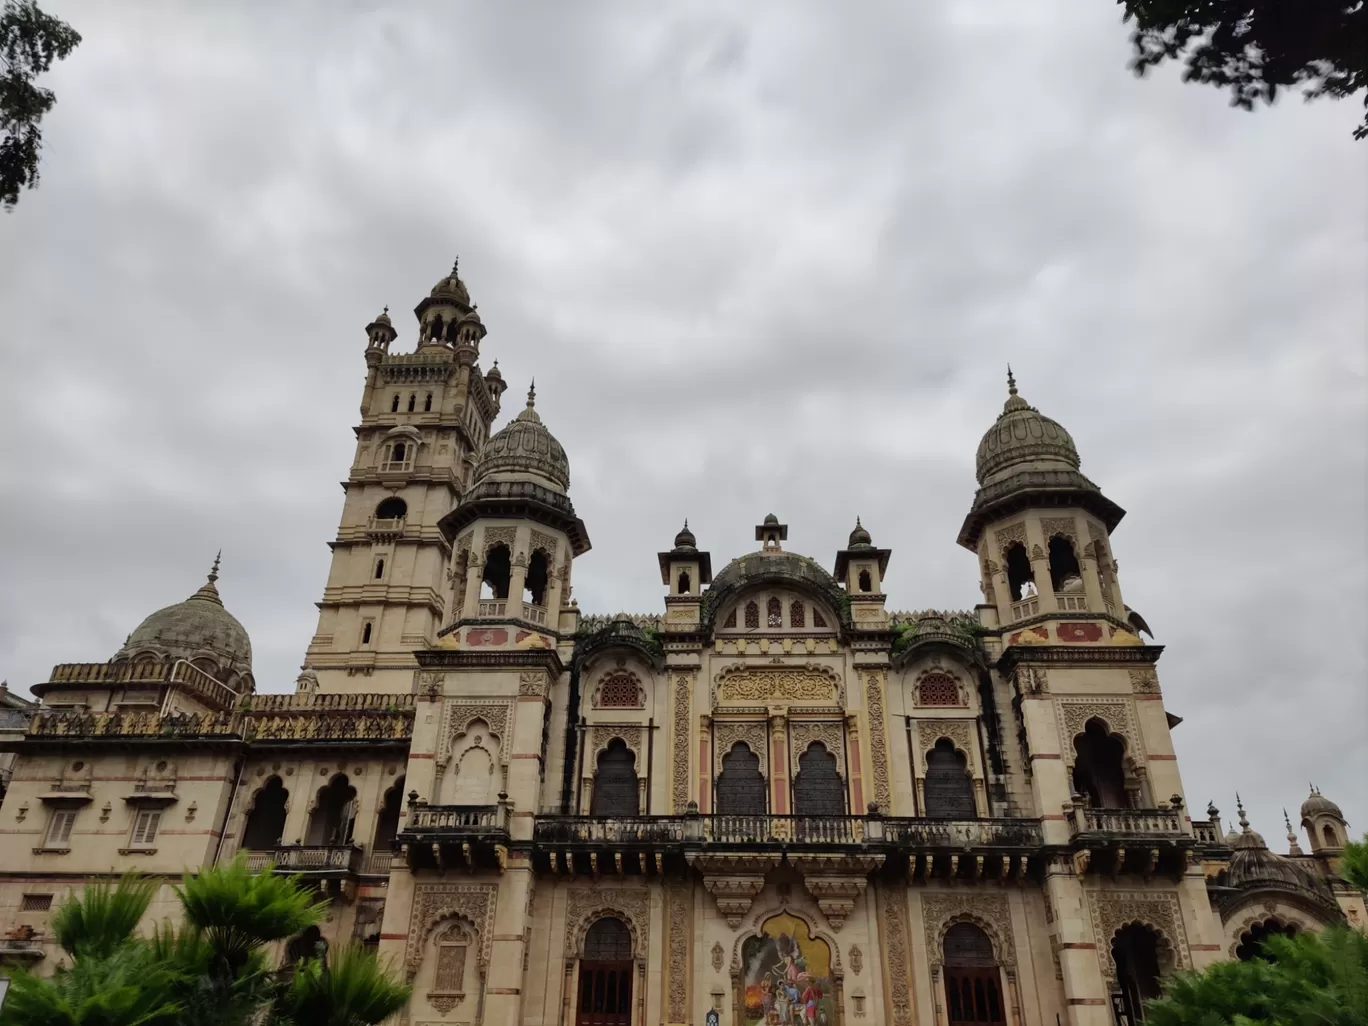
787	976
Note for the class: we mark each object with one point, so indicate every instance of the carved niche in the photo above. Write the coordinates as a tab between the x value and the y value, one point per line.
601	735
1116	714
1144	681
1112	910
435	903
989	912
458	716
533	683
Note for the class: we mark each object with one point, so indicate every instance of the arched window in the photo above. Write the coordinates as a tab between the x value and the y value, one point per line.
619	691
449	969
866	582
752	616
615	783
938	689
973	986
684	584
413	401
606	971
379	569
1331	838
1099	770
1252	940
797	614
818	789
399	453
394	406
774	613
818	620
497	571
1135	950
741	789
366	629
266	820
387	822
948	788
538	574
333	813
393	508
1018	569
1065	574
731	619
427	403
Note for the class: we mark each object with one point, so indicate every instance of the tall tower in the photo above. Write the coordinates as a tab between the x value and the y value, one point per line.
424	416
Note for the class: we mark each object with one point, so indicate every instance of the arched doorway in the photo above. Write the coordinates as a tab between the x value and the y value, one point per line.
387	823
818	790
949	790
333	814
605	975
1251	941
741	787
1099	771
615	784
266	820
973	983
1137	950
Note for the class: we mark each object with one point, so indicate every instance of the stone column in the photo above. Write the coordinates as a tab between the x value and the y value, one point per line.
1092	584
1002	595
517	578
503	980
470	601
1086	997
779	767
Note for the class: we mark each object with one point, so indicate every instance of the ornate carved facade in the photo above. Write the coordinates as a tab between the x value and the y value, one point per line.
773	796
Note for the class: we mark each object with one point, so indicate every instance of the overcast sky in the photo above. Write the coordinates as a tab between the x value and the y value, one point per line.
761	257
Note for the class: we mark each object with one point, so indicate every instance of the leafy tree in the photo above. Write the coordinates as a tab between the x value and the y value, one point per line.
30	41
1307	980
1354	863
1257	47
211	971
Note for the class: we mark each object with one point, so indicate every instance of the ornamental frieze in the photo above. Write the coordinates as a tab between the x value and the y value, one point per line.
761	684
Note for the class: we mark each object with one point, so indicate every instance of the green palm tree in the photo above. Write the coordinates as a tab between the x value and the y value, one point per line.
349	988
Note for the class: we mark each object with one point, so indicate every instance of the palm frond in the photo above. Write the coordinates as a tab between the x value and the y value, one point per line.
126	988
350	989
102	917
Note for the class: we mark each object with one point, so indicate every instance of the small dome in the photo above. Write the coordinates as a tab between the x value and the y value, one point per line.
859	538
1254	866
1022	435
771	520
524	447
494	374
192	629
685	539
451	287
1317	804
384	317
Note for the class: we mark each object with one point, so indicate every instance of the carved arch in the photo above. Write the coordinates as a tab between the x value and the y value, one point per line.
601	735
458	719
814	931
990	914
1002	954
586	907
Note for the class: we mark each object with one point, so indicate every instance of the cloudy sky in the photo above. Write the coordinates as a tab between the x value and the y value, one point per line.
762	259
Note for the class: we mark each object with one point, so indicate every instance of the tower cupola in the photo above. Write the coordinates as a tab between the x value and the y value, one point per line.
684	570
380	332
446	315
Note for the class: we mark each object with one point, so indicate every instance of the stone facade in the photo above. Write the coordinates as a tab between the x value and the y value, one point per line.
774	797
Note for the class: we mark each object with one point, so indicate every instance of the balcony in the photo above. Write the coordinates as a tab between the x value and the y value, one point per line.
1131	841
21	949
1071	603
492	608
473	836
1025	608
534	613
385	528
321	861
1130	824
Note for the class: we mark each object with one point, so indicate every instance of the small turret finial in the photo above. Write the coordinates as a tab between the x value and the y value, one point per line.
455	266
686	523
213	571
386	309
532	394
1244	820
1011	381
1293	848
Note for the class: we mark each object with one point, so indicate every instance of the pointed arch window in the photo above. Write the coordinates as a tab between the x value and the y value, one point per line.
948	788
797	614
973	983
394	406
774	612
1099	770
818	620
616	790
731	619
427	403
266	818
752	616
606	973
334	813
818	789
741	789
413	401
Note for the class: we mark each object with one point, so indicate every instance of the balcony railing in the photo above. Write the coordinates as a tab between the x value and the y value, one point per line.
534	613
615	830
492	607
378	863
1130	823
385	527
960	833
339	859
1071	603
457	819
1025	608
1206	833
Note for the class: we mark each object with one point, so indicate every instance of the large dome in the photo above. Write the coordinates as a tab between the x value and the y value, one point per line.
787	567
1023	435
451	287
524	447
197	628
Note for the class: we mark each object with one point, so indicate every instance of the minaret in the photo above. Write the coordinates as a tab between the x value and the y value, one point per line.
424	417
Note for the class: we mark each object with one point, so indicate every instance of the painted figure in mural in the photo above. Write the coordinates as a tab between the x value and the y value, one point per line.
787	976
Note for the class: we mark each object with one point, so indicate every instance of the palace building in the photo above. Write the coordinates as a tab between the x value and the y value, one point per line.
772	796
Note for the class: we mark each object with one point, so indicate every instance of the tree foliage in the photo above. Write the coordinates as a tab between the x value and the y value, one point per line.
1258	47
1312	979
1354	863
212	970
30	41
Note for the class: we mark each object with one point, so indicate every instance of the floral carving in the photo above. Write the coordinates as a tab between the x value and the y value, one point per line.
459	716
619	689
534	683
931	731
678	916
586	905
989	912
727	733
1073	716
435	903
878	743
936	687
499	536
717	956
1112	910
856	959
680	784
759	685
894	913
1144	681
803	733
1062	526
600	736
544	542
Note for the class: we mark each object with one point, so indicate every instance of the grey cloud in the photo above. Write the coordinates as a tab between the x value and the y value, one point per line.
771	258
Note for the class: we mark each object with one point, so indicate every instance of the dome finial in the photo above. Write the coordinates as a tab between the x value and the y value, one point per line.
213	570
455	266
1011	381
1293	848
532	394
386	309
1244	820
